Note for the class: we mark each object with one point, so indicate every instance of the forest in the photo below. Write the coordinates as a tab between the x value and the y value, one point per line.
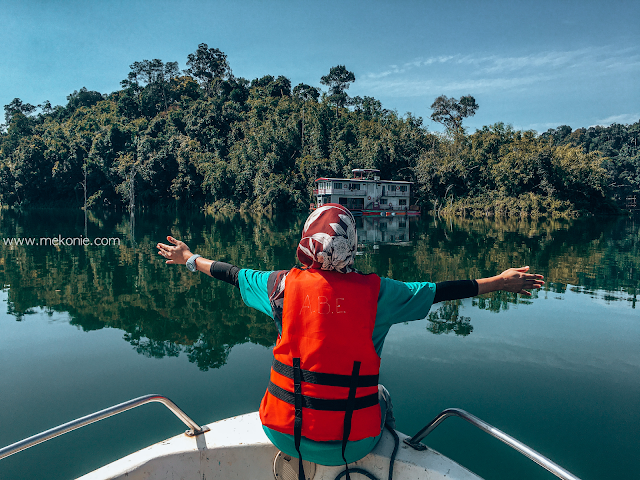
204	138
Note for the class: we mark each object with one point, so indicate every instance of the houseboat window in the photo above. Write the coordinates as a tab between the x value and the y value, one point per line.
392	188
342	201
354	186
402	188
337	185
402	202
383	201
402	225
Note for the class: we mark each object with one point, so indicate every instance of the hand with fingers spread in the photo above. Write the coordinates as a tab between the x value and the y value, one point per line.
515	280
178	254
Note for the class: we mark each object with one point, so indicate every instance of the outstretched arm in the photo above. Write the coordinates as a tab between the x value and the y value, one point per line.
515	280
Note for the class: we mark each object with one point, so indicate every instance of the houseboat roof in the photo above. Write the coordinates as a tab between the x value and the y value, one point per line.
363	180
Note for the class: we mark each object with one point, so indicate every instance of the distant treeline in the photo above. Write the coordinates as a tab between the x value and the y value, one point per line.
207	138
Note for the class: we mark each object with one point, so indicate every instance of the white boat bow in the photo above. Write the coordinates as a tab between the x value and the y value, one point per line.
238	448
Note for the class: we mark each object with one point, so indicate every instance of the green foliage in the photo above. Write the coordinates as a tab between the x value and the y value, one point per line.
207	138
338	80
620	147
499	171
450	112
207	65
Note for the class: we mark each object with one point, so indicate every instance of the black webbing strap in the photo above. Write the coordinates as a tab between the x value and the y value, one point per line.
332	405
328	379
297	425
349	412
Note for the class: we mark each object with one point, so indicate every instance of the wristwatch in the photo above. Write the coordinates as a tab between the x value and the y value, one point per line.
191	263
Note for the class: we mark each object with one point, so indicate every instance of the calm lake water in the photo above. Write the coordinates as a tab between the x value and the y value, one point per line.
84	328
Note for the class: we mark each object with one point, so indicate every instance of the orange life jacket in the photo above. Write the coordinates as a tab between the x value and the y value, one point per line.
324	379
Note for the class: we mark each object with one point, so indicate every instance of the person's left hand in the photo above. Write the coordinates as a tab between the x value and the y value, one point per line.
517	280
178	254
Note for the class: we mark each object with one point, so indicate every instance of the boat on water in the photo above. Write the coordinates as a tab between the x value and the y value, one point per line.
366	194
237	447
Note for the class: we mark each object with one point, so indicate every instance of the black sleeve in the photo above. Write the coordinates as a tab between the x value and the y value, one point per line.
455	289
225	272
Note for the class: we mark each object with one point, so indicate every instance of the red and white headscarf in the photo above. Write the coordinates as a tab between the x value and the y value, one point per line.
329	240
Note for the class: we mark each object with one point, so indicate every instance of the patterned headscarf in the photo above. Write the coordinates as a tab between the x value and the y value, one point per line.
328	242
329	239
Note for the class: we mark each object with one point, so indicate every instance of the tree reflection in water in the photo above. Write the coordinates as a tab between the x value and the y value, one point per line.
165	311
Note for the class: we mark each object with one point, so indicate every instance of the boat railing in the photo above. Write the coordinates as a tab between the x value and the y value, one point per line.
541	460
194	428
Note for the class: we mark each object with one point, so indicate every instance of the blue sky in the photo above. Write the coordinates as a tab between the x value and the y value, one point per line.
534	65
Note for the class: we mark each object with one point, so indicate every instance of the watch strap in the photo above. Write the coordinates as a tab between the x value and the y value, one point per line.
191	263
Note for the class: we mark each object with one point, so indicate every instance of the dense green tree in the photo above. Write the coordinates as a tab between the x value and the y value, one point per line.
306	93
82	98
450	111
338	80
17	106
149	83
208	64
620	147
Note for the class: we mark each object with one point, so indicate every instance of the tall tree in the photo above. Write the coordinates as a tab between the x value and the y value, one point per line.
208	64
305	93
450	112
338	81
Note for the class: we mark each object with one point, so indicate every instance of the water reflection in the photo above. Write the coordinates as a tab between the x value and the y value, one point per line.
376	231
165	311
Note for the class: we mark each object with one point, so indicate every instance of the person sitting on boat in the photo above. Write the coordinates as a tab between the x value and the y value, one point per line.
324	403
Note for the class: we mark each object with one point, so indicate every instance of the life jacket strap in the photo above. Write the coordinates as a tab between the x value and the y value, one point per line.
332	405
348	414
327	379
297	425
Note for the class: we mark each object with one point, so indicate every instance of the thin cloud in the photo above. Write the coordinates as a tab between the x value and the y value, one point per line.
416	87
625	118
539	127
496	71
555	59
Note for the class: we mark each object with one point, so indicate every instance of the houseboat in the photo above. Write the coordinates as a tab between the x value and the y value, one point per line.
366	194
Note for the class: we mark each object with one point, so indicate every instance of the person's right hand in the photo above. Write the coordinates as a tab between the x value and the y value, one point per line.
178	254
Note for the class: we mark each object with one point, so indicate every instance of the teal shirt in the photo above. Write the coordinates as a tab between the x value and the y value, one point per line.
398	302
